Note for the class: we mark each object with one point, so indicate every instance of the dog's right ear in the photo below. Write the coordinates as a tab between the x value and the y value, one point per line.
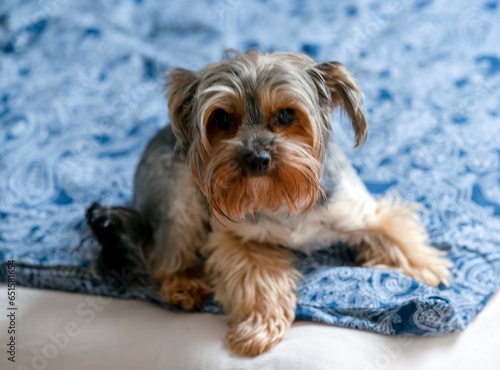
181	85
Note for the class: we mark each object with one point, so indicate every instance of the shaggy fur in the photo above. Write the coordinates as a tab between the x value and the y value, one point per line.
218	226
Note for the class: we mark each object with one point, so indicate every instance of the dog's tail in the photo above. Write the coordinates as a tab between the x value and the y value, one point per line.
124	236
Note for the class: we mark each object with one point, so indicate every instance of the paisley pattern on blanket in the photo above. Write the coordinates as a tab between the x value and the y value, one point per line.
81	94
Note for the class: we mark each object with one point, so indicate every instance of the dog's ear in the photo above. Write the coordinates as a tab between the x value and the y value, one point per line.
336	88
181	85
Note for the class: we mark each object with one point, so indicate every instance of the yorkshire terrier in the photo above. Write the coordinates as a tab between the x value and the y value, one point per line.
247	171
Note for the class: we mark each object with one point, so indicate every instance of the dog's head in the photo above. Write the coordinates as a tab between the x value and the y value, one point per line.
255	128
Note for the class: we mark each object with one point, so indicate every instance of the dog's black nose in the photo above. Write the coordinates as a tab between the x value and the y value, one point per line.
258	162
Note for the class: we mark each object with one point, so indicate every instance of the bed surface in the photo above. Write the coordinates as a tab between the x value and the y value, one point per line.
158	339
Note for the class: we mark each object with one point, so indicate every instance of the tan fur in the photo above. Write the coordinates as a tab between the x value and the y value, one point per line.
186	288
255	283
293	181
397	240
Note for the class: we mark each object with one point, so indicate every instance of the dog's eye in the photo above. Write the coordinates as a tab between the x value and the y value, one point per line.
222	119
286	117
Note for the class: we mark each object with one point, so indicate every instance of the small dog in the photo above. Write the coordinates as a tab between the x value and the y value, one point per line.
248	169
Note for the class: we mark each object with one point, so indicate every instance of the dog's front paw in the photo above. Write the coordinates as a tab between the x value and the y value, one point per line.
257	333
186	289
433	270
429	266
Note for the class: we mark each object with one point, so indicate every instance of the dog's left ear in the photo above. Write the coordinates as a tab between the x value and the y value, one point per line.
337	87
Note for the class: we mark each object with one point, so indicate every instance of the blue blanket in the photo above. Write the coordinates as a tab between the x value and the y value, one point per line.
81	94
